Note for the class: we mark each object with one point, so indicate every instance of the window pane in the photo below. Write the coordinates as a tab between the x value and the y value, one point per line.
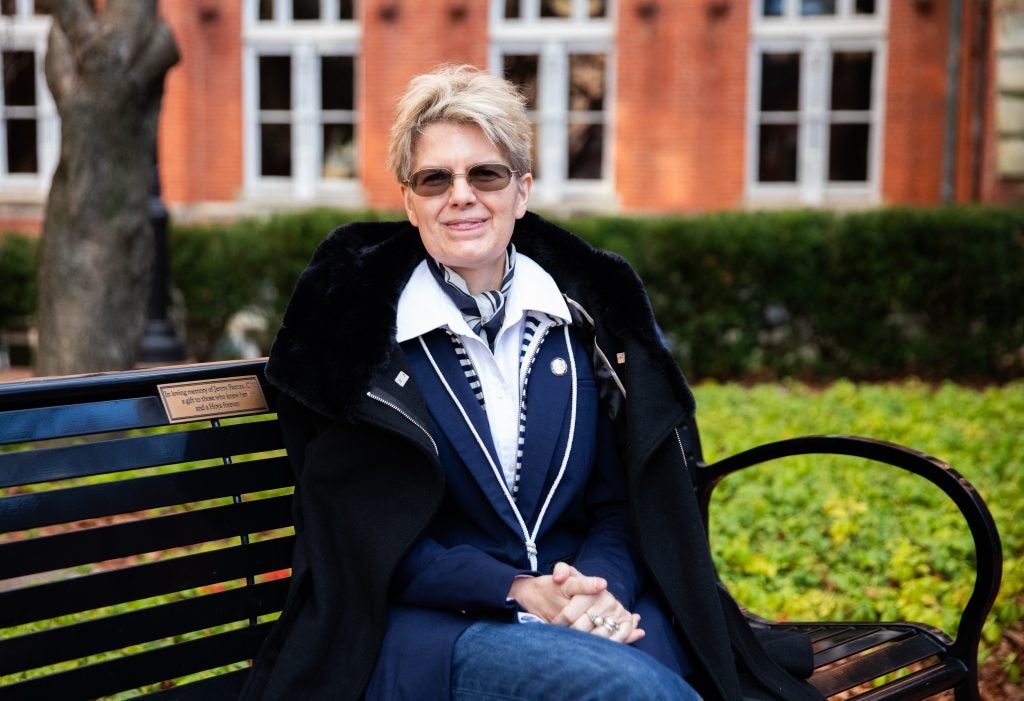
512	9
864	7
275	82
851	80
771	8
339	151
817	7
556	8
337	89
586	148
780	82
848	152
598	8
19	78
306	9
276	149
21	146
266	10
8	7
521	70
776	158
39	8
346	9
586	82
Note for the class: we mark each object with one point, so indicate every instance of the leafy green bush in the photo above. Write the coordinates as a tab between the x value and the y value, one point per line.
811	537
219	272
875	295
17	278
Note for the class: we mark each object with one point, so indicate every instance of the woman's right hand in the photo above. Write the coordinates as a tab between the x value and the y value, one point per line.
568	597
548	595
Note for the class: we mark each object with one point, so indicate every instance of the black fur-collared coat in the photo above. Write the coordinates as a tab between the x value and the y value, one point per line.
367	481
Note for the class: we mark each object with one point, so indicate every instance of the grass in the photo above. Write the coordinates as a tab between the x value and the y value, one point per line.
839	539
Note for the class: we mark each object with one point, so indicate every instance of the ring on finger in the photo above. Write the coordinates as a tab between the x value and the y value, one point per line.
611	625
596	620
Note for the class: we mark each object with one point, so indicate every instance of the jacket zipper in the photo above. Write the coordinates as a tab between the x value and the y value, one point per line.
406	414
682	452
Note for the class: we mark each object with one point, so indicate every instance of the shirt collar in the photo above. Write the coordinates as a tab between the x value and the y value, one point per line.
423	306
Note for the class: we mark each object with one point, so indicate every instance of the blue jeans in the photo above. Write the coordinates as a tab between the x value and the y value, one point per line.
537	661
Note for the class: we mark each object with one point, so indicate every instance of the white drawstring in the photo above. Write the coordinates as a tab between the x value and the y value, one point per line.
529	538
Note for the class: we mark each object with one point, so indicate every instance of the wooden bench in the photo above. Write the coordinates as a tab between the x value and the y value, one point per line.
137	554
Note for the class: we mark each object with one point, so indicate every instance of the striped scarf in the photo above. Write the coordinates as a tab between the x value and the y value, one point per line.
484	312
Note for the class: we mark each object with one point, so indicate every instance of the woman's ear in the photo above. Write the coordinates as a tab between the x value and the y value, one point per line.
524	183
410	213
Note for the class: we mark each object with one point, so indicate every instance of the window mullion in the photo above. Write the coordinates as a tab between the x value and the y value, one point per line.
813	148
305	114
282	12
554	103
329	11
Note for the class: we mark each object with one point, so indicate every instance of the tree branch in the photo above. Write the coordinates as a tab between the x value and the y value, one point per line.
59	66
132	20
77	21
158	55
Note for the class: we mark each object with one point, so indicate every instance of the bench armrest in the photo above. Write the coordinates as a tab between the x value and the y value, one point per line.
988	550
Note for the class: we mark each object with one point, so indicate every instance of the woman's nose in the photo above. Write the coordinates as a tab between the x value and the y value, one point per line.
462	192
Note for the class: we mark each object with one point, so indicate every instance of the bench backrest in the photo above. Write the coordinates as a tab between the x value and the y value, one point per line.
136	553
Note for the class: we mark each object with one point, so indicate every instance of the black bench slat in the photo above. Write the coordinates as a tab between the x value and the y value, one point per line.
866	668
919	685
54	599
865	641
22	557
154	623
223	686
38	509
85	459
150	667
21	426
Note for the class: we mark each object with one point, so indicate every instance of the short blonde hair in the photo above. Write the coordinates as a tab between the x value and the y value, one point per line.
461	95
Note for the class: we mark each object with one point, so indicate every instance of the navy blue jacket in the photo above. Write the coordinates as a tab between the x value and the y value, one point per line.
374	469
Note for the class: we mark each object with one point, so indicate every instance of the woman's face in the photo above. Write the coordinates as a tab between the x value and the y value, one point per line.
466	229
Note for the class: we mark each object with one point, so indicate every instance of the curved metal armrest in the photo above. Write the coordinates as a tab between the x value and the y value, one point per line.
988	550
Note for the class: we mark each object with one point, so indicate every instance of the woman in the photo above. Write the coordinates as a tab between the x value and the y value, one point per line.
492	496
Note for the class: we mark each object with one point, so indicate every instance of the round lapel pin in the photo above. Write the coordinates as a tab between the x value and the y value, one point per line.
558	367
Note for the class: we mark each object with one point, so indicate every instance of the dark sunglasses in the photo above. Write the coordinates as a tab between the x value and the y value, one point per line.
485	177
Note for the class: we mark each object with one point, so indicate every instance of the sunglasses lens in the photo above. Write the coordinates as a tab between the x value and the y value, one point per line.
430	182
489	176
485	177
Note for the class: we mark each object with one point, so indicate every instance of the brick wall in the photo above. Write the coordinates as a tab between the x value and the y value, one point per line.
680	105
396	46
200	143
915	102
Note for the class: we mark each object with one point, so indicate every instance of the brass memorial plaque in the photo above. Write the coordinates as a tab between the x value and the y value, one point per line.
212	399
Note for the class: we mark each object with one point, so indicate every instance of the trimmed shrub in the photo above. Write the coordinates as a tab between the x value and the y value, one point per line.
17	279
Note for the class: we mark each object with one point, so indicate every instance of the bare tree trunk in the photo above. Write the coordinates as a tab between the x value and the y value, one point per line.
106	73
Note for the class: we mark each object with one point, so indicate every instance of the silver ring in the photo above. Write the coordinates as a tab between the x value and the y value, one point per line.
612	626
597	621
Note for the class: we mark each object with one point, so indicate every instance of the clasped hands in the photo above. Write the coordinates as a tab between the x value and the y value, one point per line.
569	598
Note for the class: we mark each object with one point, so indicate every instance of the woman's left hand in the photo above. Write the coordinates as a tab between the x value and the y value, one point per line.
600	614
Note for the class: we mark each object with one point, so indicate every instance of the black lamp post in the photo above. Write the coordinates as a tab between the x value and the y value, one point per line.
159	345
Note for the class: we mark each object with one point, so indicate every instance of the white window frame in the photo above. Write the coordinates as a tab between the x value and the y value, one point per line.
26	31
553	40
305	42
815	38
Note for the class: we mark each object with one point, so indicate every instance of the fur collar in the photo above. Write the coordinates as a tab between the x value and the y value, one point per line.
338	332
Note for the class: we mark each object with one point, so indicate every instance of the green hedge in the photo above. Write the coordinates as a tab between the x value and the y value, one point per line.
888	293
936	293
17	279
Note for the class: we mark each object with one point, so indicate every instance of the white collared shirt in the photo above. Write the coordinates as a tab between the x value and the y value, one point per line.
423	306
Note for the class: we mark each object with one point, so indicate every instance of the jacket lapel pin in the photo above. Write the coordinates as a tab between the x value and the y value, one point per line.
401	378
558	367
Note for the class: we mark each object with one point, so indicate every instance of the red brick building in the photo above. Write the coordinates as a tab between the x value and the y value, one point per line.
639	105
